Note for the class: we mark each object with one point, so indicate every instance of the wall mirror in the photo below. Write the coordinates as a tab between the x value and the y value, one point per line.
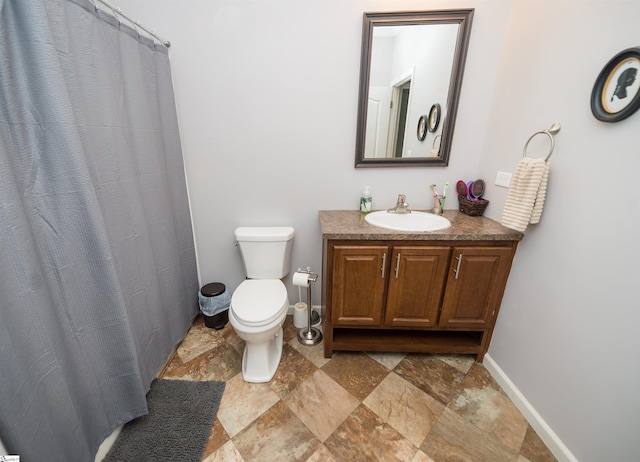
410	78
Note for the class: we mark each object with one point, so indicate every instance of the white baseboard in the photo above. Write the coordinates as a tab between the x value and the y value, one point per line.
544	431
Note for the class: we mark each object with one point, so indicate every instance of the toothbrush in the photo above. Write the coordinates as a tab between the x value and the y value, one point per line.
444	193
435	191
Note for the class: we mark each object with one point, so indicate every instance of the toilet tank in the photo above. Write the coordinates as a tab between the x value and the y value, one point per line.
266	251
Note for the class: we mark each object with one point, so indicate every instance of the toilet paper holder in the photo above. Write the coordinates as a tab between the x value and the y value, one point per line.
308	335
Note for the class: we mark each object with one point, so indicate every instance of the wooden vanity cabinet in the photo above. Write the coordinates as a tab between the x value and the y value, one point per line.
358	284
416	282
413	296
360	291
475	286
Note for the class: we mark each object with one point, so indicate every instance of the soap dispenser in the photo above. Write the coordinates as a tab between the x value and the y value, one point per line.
365	201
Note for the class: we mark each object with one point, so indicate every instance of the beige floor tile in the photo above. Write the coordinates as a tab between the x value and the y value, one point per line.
389	360
289	330
232	338
321	404
534	449
482	402
314	353
453	438
200	339
217	439
421	457
461	362
219	363
243	402
364	437
357	372
294	368
431	375
237	344
226	453
405	407
181	374
276	435
322	454
173	363
310	414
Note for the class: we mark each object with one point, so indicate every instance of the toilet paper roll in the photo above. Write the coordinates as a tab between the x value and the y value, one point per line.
301	279
300	316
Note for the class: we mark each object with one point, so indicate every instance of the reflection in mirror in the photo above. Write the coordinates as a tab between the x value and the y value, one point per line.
411	61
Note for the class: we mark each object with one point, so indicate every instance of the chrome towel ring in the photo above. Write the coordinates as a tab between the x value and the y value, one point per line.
555	128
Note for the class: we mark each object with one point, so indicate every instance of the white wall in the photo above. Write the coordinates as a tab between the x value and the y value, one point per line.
567	334
431	80
267	93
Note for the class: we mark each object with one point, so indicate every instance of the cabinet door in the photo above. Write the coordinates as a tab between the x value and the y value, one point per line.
416	283
359	275
475	286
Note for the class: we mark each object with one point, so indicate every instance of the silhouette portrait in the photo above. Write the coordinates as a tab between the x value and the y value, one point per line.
627	78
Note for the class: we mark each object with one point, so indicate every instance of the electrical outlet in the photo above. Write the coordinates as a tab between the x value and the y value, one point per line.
503	179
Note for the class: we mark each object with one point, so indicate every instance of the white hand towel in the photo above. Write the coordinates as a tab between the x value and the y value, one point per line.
526	194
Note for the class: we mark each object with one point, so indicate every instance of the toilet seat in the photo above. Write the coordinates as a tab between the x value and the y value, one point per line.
257	302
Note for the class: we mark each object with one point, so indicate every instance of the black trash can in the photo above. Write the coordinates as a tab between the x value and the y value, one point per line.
214	304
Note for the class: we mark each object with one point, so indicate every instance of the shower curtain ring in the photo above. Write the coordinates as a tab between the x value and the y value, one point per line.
135	25
117	11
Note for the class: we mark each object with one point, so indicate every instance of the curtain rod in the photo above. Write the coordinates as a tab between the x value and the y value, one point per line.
118	12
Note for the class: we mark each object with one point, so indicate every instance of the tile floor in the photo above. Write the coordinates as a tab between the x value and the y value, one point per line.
354	406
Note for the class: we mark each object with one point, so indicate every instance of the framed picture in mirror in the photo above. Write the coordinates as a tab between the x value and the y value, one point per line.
422	128
434	117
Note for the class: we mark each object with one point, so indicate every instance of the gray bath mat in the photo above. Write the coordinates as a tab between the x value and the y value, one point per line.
181	415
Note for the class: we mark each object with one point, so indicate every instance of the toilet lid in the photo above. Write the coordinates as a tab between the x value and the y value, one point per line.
259	301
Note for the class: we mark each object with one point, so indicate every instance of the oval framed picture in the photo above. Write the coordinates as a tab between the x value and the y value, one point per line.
434	117
616	93
422	128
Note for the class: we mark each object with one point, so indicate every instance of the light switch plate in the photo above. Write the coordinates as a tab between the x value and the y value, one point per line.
503	179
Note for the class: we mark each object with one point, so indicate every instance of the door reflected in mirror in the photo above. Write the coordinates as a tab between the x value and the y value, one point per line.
411	62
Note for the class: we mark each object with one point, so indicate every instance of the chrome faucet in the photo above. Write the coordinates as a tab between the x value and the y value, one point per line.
401	205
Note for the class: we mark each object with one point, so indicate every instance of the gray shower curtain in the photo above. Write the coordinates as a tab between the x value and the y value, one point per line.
97	265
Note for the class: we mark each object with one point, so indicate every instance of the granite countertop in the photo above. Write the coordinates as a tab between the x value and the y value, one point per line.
350	224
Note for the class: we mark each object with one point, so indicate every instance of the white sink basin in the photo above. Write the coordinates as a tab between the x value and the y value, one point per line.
414	221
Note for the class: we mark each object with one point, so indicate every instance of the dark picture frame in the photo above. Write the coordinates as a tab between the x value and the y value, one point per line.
422	128
616	92
434	117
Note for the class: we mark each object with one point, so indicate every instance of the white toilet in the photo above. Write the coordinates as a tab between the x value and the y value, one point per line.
259	305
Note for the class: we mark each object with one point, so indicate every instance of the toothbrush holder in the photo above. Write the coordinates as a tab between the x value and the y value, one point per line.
438	204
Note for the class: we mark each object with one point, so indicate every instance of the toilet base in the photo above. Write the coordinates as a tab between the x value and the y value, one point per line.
260	361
